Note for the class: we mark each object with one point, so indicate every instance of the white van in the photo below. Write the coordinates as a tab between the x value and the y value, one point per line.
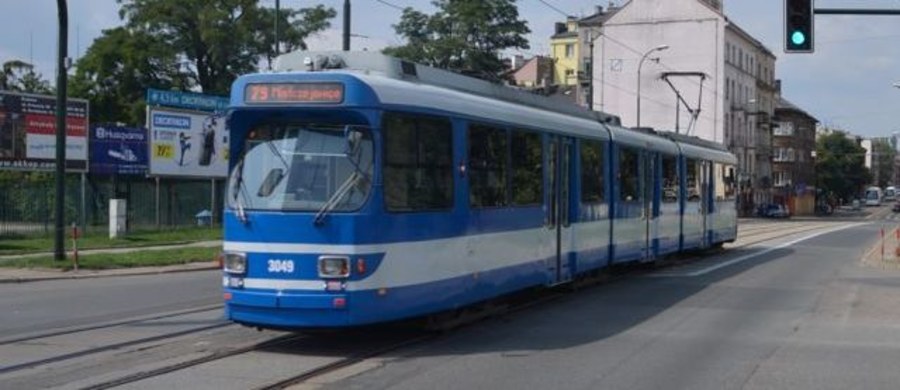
873	196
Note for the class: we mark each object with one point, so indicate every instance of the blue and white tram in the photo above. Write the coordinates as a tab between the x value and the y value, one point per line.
379	190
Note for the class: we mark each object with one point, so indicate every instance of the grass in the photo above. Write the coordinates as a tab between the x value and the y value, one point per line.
16	245
147	258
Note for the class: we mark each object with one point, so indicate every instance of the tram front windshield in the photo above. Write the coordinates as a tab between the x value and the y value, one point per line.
303	167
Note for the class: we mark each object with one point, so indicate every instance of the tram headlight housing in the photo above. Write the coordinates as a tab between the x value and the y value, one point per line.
331	267
235	263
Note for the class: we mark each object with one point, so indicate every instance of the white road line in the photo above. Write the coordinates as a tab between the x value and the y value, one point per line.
756	254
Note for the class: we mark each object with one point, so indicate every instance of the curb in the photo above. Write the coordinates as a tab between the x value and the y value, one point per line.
101	274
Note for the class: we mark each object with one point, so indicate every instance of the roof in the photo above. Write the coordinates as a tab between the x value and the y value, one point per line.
786	105
598	18
732	25
567	34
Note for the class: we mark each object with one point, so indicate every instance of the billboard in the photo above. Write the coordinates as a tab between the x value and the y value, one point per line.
117	150
28	132
186	100
187	143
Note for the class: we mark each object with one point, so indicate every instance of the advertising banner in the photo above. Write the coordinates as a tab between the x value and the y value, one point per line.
186	100
187	143
118	150
28	132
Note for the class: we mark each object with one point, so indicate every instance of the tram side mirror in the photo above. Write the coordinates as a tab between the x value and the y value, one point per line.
271	181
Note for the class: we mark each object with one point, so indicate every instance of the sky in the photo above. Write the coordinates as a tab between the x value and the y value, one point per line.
847	83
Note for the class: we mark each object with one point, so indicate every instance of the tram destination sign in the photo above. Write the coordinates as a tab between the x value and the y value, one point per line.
294	93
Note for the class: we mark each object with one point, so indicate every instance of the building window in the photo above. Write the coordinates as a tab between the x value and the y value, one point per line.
570	50
782	179
784	129
728	89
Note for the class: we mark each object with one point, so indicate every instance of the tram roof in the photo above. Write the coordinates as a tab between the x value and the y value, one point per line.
394	68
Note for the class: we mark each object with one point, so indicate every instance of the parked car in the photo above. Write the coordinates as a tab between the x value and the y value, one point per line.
775	210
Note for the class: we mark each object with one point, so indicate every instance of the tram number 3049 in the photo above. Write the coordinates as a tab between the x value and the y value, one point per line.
281	266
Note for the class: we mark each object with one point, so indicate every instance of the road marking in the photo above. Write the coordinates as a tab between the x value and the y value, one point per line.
749	256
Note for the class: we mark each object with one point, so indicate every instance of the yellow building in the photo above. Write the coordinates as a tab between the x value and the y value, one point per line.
564	49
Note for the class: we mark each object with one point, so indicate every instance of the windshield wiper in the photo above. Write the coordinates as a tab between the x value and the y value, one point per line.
240	191
346	187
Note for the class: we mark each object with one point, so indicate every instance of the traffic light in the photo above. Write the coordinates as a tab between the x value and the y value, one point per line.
798	26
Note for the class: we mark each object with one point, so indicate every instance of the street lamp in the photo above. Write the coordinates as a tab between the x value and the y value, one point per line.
641	64
590	95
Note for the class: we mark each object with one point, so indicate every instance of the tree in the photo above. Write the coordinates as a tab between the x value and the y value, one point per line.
883	162
464	35
840	165
117	69
20	76
221	39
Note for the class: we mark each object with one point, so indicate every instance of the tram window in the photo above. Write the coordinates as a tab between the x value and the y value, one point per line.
628	175
669	179
418	163
527	169
693	180
591	171
718	182
488	166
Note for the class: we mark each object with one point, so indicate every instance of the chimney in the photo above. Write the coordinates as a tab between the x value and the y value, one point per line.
559	28
599	10
517	61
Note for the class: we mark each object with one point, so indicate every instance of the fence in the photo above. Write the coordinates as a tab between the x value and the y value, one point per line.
27	201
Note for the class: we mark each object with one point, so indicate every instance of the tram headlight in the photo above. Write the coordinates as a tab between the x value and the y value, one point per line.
235	263
334	266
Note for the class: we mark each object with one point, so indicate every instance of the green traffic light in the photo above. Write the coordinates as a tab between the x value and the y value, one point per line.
798	38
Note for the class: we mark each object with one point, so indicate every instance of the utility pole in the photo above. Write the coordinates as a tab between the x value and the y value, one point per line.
346	25
59	253
277	16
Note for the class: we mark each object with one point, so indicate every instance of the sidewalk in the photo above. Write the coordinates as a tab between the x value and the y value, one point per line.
22	275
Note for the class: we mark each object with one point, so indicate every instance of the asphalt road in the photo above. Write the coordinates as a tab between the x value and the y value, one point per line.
44	306
805	315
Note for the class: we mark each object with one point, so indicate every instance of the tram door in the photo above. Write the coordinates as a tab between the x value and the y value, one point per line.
706	200
647	180
559	184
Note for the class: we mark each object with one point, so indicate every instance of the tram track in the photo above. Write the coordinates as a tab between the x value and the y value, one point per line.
769	234
296	344
343	348
45	338
79	329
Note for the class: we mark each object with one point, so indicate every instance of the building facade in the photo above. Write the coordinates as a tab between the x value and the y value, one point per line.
683	65
793	158
565	49
750	99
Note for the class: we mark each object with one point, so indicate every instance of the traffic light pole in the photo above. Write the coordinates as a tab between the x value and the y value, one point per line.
853	11
59	209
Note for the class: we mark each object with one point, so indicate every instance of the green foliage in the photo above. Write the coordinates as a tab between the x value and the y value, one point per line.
464	35
29	197
182	45
19	76
145	258
221	39
11	245
118	68
840	165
